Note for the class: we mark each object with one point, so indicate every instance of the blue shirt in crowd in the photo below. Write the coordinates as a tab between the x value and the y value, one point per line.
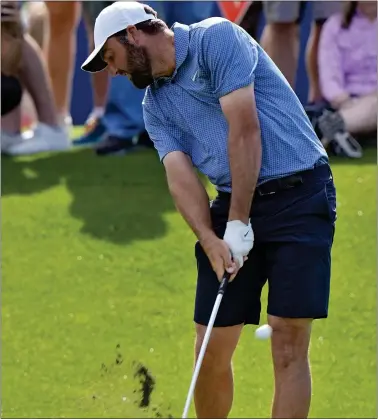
182	113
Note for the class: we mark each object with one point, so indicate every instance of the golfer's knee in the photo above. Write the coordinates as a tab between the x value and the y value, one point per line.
215	360
212	363
220	348
290	341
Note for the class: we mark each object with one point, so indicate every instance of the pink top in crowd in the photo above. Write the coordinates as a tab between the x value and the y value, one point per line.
348	57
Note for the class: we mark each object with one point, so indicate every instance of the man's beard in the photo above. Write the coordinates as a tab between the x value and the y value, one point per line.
140	71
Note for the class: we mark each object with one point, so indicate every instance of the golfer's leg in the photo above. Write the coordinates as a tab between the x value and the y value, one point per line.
299	285
215	388
280	38
240	305
290	343
299	272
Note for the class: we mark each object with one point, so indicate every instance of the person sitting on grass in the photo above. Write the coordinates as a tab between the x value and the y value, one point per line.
22	59
348	74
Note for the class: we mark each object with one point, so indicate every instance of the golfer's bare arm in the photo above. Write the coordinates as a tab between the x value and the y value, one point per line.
189	194
244	149
244	144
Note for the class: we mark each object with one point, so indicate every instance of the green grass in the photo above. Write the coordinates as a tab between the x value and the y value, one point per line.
94	255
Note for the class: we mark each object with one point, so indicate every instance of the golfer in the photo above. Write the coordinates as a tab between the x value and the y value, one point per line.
216	102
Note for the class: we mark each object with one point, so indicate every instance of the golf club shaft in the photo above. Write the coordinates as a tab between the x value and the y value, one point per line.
206	339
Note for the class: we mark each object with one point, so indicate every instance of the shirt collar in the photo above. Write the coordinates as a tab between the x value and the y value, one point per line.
181	44
181	40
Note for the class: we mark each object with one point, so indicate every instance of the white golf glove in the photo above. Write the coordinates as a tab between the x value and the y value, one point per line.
239	238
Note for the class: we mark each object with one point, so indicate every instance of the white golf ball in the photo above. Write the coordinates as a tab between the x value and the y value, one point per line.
263	332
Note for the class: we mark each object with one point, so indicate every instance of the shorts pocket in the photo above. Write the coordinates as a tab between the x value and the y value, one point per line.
330	195
219	209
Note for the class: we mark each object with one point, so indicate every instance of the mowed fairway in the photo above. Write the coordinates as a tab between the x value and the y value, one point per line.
98	273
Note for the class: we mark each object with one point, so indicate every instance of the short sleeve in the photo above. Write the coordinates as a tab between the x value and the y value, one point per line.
161	134
230	55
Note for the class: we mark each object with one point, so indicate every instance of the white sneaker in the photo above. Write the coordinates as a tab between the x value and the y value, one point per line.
43	138
65	122
68	125
8	140
68	121
347	145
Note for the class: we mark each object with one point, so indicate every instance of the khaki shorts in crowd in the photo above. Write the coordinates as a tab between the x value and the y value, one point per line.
292	11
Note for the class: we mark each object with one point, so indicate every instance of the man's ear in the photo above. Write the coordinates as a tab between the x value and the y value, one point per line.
133	35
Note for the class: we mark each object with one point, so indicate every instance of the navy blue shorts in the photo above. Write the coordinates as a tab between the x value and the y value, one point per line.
294	224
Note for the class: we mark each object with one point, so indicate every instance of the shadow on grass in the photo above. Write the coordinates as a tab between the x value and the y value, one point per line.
118	199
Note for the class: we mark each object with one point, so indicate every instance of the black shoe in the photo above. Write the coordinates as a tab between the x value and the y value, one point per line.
115	145
341	142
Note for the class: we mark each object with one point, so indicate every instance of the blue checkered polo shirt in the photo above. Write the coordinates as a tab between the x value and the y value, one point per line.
183	113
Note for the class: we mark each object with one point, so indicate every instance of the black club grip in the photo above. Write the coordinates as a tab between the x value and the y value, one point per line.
224	282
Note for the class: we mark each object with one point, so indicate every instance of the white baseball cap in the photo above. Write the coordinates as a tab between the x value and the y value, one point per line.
113	19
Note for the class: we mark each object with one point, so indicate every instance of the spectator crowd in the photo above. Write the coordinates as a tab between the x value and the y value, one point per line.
38	48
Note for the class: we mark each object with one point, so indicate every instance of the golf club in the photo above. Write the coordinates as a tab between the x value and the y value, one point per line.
221	291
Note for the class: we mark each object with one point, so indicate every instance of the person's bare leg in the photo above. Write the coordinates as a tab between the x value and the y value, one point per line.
48	135
290	345
11	56
64	17
360	115
100	81
38	29
35	78
100	84
281	43
314	92
213	395
38	24
11	122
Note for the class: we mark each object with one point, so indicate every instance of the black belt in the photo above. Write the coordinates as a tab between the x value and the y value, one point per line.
288	182
275	185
